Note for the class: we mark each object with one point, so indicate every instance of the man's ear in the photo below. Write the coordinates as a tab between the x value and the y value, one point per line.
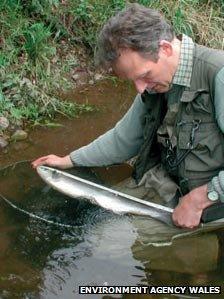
166	47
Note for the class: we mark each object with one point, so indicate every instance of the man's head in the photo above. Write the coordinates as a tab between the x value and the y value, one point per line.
137	44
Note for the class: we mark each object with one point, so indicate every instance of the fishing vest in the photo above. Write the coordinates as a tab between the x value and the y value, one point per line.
194	151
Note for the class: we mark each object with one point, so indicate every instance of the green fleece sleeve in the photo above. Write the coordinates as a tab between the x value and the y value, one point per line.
116	145
219	112
219	98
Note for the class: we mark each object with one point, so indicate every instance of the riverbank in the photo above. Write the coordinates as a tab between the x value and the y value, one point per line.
47	49
112	99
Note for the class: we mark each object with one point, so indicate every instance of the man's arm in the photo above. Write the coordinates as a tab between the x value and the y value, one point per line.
219	98
115	146
189	210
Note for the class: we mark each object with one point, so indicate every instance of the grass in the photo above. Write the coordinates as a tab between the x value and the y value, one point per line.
40	41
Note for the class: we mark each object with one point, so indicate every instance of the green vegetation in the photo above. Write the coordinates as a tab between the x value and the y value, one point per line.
40	42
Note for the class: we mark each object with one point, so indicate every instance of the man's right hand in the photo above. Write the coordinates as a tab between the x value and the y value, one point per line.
53	160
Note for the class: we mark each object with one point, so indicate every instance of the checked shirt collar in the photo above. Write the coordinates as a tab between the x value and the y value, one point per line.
184	69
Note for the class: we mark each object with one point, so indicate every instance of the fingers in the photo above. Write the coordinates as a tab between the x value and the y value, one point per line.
186	219
45	160
184	224
53	160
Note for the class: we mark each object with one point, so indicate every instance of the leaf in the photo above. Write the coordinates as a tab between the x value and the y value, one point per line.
53	125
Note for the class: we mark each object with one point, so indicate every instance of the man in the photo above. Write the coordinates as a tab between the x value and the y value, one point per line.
175	125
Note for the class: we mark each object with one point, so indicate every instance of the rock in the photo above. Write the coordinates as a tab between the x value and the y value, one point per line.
4	123
80	76
37	239
19	146
75	77
3	143
98	77
19	135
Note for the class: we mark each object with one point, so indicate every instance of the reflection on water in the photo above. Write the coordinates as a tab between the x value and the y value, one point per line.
39	260
50	261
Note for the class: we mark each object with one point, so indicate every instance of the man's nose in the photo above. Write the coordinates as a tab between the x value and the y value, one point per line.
140	86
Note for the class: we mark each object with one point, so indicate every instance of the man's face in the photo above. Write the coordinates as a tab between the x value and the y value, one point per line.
146	74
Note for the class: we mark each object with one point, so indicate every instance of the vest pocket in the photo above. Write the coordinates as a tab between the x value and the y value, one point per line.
207	151
197	102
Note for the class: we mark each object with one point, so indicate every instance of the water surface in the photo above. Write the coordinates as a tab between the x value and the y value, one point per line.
88	245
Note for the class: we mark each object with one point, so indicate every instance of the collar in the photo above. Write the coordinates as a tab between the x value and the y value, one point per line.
185	65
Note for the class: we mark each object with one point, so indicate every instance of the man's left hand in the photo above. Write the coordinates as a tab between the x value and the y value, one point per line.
189	210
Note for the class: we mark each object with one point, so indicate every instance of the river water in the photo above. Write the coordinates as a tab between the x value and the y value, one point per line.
84	245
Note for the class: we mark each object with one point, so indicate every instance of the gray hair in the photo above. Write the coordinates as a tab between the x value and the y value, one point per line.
137	28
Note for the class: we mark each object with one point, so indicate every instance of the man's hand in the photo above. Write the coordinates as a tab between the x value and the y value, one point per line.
55	161
189	210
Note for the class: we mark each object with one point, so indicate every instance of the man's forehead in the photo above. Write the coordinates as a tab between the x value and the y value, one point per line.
130	64
126	58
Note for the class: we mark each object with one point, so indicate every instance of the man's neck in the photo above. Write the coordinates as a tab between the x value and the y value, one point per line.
176	44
